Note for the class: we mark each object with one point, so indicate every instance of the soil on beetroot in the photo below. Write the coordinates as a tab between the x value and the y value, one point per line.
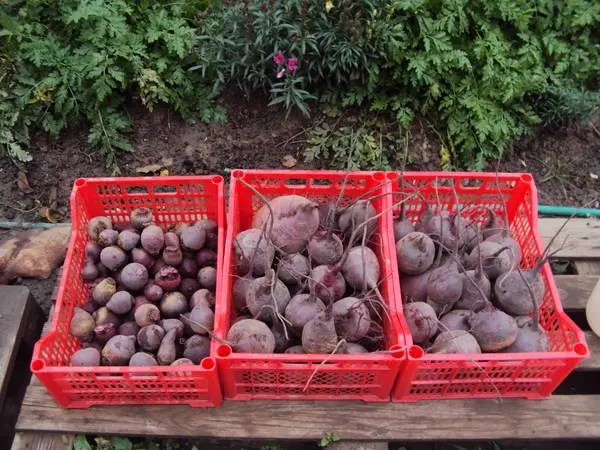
565	163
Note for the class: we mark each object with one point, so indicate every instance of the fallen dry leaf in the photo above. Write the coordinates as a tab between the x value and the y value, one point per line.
164	173
288	161
23	183
150	168
49	214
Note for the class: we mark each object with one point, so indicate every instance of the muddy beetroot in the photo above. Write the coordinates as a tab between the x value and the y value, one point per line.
113	257
134	276
153	291
118	351
86	357
168	278
153	239
141	217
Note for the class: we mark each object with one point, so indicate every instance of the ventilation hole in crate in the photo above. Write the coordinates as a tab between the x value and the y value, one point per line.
471	183
320	182
136	189
294	182
164	189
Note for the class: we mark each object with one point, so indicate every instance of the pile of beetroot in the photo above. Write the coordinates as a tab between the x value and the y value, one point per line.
151	293
462	285
307	279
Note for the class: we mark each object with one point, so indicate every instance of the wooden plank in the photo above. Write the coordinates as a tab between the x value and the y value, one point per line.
576	416
583	237
372	445
42	441
588	267
575	290
16	306
593	362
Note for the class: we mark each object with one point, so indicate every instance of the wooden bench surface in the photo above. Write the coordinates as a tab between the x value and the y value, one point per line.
561	416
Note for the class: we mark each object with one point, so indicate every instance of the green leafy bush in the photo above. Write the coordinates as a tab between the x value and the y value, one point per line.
471	68
78	62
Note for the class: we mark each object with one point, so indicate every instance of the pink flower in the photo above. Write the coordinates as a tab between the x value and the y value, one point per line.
279	58
292	64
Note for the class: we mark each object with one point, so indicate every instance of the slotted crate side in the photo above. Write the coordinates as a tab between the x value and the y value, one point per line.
173	200
531	375
281	376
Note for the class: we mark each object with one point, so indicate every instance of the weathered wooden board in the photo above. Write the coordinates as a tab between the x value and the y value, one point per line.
593	362
575	290
588	267
42	441
579	418
581	235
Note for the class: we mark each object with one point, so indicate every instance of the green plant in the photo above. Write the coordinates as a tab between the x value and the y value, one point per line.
80	62
328	438
563	106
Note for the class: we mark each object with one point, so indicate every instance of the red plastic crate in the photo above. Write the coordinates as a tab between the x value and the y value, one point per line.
529	375
246	376
172	200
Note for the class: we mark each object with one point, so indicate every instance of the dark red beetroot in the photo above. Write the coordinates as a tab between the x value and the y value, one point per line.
513	291
415	253
121	302
113	257
188	286
90	306
207	277
402	228
294	350
240	287
196	348
454	341
445	290
494	330
108	237
139	301
128	239
134	276
85	357
153	291
261	297
188	267
118	351
325	248
530	338
293	269
82	325
168	324
173	304
357	214
456	320
211	228
141	218
440	227
495	259
193	237
89	271
327	283
168	278
167	352
352	319
139	255
253	252
203	296
172	254
97	225
103	316
142	359
476	291
150	337
147	314
421	320
414	288
319	335
92	251
301	309
102	333
282	342
206	257
201	319
129	329
153	239
251	336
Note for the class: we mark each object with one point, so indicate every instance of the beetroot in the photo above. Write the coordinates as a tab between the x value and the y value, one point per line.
118	351
90	306
141	218
402	227
188	286
467	232
120	303
361	268
240	288
301	309
212	232
168	278
530	338
352	319
414	288
494	330
167	352
476	291
294	350
82	325
139	301
142	359
150	337
139	255
281	341
456	320
153	291
352	348
202	296
168	324
293	269
512	291
97	225
325	248
253	252
103	316
440	227
251	336
445	290
415	253
455	341
201	319
327	283
129	329
295	219
85	357
108	237
89	271
147	314
421	320
102	333
263	301
319	335
353	218
193	237
92	251
128	239
189	267
206	257
172	254
207	277
196	348
182	362
173	304
113	257
152	239
504	240
495	259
